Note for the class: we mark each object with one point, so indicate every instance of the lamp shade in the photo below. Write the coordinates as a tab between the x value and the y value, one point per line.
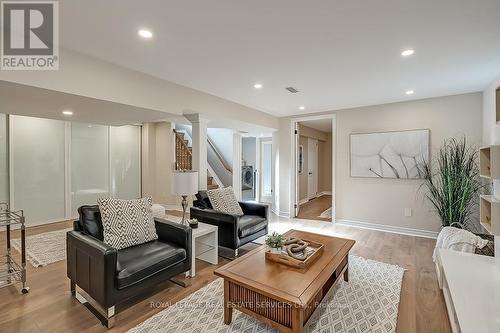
185	182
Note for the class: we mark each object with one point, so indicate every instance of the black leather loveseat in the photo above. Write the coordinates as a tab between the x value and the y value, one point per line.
234	231
104	276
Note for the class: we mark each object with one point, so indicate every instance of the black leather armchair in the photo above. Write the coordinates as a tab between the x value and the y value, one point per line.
104	276
234	231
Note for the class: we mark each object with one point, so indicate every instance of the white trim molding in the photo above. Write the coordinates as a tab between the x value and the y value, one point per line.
388	228
281	213
303	201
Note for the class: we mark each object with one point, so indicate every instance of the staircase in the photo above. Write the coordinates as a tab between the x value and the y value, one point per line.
184	157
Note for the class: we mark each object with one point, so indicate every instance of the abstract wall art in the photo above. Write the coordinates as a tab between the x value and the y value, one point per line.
389	154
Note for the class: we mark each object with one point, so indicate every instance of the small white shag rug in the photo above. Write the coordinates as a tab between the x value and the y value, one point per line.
367	303
45	248
327	213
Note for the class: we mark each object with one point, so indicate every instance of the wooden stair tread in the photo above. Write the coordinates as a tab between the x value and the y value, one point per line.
184	159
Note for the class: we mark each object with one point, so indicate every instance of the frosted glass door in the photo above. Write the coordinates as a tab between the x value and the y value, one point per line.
89	165
4	174
38	168
125	157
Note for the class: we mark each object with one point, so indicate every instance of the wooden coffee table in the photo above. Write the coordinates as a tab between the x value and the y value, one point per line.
279	295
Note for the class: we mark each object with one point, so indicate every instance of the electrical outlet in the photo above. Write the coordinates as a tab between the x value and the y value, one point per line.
408	212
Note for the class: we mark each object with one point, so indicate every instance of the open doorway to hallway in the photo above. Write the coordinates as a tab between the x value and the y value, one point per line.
256	169
314	169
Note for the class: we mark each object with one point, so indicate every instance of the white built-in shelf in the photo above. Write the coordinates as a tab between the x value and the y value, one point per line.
489	162
490	214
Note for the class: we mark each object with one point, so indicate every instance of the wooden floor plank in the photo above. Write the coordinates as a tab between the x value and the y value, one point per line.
49	307
313	208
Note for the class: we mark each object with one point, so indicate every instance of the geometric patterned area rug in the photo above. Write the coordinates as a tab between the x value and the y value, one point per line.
44	248
367	303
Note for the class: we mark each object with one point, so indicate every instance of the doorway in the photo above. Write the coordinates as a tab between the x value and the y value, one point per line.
249	156
314	168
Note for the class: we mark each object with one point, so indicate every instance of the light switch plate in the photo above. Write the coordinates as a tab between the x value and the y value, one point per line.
408	212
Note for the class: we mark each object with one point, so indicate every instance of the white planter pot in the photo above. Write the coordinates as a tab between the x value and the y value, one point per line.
275	250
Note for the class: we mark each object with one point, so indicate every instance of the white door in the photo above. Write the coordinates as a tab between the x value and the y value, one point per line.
266	171
312	168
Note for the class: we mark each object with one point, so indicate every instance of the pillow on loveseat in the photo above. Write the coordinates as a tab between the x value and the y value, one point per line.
127	222
224	200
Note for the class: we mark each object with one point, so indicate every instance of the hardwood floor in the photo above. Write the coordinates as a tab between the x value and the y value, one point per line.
49	306
313	209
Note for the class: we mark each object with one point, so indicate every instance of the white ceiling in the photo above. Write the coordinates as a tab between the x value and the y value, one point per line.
337	53
323	125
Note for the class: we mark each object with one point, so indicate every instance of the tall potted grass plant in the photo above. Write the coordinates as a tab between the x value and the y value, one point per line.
452	182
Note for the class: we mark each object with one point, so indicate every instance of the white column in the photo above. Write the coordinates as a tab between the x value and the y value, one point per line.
199	137
237	165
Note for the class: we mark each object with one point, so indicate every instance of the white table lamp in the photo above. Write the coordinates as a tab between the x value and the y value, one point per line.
185	183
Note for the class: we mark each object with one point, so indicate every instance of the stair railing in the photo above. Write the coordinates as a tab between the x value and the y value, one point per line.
183	155
219	156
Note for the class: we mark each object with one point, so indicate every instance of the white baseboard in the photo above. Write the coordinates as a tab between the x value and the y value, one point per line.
281	213
324	193
388	228
303	201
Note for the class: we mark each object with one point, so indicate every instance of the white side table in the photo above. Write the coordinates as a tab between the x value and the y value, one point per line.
204	246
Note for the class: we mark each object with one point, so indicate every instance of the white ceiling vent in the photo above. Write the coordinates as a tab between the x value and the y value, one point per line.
292	90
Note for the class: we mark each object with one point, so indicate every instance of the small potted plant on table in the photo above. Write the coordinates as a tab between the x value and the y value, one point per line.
275	242
193	223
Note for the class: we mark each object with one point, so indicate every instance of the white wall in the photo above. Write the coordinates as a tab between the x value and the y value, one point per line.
249	151
223	140
382	201
282	172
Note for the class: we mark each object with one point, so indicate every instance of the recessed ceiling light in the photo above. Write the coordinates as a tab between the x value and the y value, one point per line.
409	92
257	85
302	107
144	33
67	113
407	53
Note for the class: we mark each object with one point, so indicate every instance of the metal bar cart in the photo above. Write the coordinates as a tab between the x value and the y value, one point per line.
10	271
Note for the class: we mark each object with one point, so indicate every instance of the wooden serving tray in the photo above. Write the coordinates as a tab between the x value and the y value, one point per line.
284	258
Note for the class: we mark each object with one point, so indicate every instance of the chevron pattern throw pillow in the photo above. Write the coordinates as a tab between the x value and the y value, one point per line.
224	200
127	222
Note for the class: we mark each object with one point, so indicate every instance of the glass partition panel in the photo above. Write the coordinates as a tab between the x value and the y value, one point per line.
89	164
38	167
125	157
4	172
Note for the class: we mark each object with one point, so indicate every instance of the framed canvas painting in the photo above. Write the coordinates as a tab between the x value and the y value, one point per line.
396	154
